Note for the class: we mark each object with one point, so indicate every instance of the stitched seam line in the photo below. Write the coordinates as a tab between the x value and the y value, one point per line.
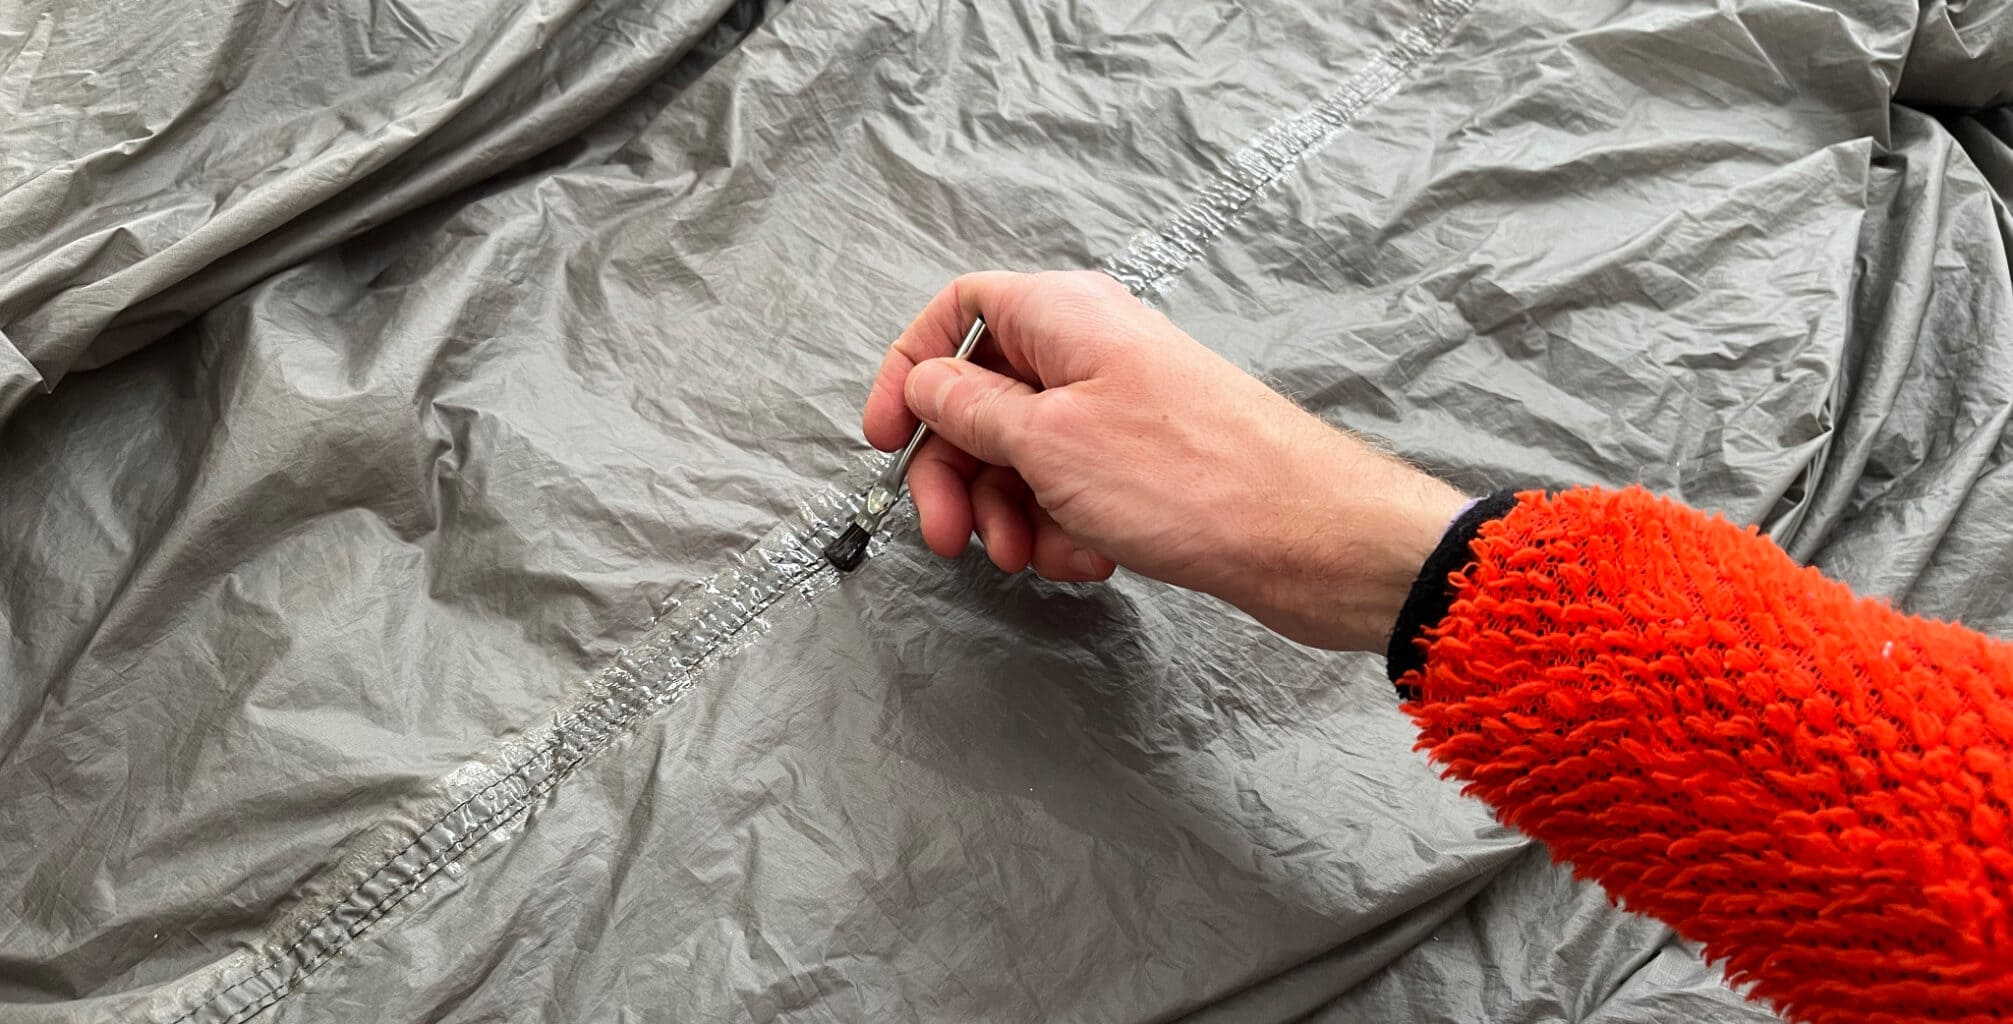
1152	258
648	677
679	647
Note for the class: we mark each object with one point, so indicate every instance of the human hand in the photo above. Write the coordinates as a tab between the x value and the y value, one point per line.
1089	431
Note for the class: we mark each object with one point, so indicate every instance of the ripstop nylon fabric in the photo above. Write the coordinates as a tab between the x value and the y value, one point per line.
373	438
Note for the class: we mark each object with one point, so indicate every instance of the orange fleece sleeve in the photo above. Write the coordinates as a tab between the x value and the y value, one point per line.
1817	787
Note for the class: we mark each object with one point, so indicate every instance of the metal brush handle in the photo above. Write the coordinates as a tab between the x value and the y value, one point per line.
849	548
888	486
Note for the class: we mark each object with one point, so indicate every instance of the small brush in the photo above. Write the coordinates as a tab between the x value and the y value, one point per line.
849	549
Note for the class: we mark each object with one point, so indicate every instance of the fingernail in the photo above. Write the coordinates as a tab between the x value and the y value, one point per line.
1080	563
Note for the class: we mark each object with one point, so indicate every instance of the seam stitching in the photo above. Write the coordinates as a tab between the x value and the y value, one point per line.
650	676
1153	258
665	664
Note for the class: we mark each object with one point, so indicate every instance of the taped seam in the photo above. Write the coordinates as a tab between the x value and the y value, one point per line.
661	668
1152	258
645	678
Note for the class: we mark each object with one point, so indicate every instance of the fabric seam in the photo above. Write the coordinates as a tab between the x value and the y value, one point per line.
681	646
650	676
1153	258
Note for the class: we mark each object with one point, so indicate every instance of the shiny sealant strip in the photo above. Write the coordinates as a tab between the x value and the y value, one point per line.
1153	258
489	797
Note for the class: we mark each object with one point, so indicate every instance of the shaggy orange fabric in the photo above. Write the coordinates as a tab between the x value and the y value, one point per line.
1814	785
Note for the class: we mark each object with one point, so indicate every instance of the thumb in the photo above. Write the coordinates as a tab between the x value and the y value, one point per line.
977	410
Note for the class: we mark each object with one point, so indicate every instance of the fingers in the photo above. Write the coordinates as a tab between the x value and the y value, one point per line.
1047	330
979	411
937	484
956	496
1054	330
934	334
999	516
1057	557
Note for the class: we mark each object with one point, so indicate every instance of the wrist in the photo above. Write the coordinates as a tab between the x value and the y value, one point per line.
1432	597
1372	589
1335	570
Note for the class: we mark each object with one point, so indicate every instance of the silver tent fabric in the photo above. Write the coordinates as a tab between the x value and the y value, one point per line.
419	425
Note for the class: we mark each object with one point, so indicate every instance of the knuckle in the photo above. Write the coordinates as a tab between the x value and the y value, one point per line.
953	299
964	295
965	283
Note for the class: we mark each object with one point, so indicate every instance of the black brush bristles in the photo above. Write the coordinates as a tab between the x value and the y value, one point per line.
849	550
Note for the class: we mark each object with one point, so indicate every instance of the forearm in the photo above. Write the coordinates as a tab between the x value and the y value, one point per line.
1814	785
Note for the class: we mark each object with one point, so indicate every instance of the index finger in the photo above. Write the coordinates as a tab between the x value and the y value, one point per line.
934	333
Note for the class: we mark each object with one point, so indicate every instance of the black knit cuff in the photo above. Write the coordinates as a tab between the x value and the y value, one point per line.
1432	594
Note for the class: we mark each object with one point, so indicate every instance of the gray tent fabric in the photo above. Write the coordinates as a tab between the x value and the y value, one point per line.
154	162
420	425
1961	55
